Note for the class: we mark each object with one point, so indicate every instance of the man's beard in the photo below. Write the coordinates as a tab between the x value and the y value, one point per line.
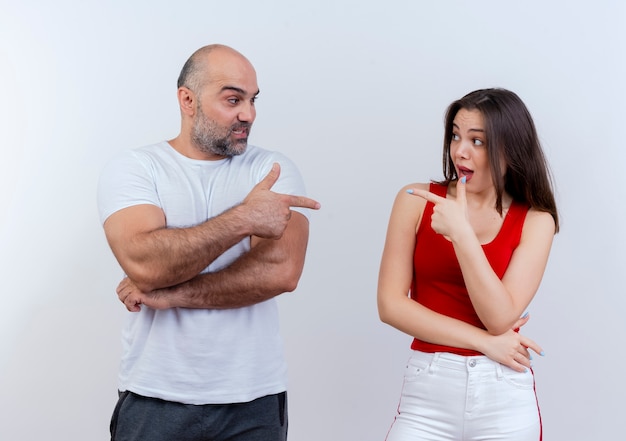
206	136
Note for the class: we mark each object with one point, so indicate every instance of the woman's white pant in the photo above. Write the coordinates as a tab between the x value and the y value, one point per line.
451	397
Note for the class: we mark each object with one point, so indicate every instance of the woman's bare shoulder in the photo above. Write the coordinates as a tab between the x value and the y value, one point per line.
539	220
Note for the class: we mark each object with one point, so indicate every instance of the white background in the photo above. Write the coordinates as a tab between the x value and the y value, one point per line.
354	92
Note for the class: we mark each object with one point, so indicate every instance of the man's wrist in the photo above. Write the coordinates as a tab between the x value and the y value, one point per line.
237	218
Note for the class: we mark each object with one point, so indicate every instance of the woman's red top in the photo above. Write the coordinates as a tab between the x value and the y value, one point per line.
437	280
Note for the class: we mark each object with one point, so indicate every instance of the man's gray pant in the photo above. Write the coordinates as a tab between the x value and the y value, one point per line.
138	418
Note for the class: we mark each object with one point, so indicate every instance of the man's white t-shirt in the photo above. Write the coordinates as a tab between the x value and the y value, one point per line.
198	356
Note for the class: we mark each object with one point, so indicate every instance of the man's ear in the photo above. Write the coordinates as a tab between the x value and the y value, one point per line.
187	101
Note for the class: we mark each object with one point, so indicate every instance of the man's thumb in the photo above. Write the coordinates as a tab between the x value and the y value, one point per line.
270	179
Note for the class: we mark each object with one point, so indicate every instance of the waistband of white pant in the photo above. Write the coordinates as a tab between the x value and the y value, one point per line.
457	362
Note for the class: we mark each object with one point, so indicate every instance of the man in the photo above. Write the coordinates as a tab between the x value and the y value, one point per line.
203	228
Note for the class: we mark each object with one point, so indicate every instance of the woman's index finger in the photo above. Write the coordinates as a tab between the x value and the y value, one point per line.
431	197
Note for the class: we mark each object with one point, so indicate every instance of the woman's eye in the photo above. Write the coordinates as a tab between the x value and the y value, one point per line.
455	137
478	142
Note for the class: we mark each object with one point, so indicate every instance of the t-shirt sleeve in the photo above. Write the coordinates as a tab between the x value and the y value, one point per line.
290	180
125	181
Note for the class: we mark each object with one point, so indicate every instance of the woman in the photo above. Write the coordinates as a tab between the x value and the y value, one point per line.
462	261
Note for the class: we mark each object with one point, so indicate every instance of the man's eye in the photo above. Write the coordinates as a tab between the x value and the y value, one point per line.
233	100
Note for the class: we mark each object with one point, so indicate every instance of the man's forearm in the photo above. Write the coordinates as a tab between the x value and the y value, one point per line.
246	282
270	268
170	256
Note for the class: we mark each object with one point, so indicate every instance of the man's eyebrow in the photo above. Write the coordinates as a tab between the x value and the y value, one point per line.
238	90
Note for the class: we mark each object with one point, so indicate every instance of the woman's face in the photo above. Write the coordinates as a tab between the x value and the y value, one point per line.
468	149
